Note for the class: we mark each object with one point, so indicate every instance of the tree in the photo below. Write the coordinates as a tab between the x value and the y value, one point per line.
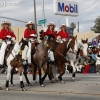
96	27
73	25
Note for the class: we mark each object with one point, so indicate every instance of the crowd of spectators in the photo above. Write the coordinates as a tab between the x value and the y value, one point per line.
91	63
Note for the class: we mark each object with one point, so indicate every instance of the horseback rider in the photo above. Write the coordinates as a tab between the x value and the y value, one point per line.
50	30
62	34
7	36
31	35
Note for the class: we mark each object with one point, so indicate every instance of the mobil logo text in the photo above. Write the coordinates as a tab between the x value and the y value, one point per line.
71	8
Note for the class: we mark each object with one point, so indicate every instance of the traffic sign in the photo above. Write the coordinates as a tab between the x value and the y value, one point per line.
42	21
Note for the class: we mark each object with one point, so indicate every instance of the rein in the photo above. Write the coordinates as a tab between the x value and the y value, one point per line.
68	46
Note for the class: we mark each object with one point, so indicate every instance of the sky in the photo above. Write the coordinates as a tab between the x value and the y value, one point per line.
89	10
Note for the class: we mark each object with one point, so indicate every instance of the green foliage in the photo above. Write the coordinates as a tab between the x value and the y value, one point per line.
73	25
96	27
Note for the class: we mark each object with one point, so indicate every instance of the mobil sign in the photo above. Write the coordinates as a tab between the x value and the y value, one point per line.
67	8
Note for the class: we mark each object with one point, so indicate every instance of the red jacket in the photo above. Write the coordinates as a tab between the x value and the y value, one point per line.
49	32
63	34
4	33
28	32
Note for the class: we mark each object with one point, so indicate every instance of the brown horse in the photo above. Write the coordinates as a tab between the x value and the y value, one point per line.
60	55
14	60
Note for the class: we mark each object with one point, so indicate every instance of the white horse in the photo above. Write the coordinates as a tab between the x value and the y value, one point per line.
72	57
20	47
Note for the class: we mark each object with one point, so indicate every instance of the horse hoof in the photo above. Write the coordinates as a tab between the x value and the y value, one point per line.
35	81
0	88
29	84
7	89
73	79
23	89
12	85
42	85
62	82
56	79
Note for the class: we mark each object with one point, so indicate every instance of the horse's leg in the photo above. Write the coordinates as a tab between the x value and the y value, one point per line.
8	77
62	73
40	79
11	79
73	70
59	69
34	69
47	73
25	75
51	72
54	71
21	78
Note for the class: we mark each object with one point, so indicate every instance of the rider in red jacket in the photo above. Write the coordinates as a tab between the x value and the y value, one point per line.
63	34
31	35
7	35
50	30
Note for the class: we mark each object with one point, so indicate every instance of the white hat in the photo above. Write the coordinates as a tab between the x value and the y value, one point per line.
29	23
63	25
6	22
51	24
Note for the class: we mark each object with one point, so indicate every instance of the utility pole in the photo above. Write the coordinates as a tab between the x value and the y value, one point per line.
59	20
35	21
78	26
43	14
67	22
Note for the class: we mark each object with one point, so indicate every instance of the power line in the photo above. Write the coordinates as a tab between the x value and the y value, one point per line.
15	19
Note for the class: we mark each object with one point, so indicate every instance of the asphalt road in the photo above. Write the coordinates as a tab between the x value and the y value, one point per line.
86	87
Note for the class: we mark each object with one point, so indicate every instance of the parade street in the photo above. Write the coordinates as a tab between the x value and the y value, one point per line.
86	86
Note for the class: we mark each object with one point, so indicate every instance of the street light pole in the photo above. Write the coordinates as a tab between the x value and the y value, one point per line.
59	20
35	21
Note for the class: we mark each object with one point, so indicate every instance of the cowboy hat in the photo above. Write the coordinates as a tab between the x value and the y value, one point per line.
29	23
63	25
51	24
6	22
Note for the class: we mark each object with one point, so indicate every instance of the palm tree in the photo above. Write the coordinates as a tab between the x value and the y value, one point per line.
73	25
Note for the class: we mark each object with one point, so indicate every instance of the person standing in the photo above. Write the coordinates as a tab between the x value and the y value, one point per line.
7	35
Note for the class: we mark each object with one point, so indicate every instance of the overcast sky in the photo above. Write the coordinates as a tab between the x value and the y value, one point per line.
89	10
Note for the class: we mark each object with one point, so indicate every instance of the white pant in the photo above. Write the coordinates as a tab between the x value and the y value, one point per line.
2	52
51	55
29	53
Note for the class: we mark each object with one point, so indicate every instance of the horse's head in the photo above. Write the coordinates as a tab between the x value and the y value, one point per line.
24	44
51	41
23	48
84	46
73	43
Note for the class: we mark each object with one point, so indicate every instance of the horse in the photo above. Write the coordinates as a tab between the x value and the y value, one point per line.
74	57
40	57
60	55
14	59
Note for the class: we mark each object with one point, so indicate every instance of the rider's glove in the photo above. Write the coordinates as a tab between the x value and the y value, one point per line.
8	36
33	35
13	39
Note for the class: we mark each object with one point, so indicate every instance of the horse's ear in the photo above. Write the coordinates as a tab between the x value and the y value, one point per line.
76	36
87	40
70	36
22	40
81	39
